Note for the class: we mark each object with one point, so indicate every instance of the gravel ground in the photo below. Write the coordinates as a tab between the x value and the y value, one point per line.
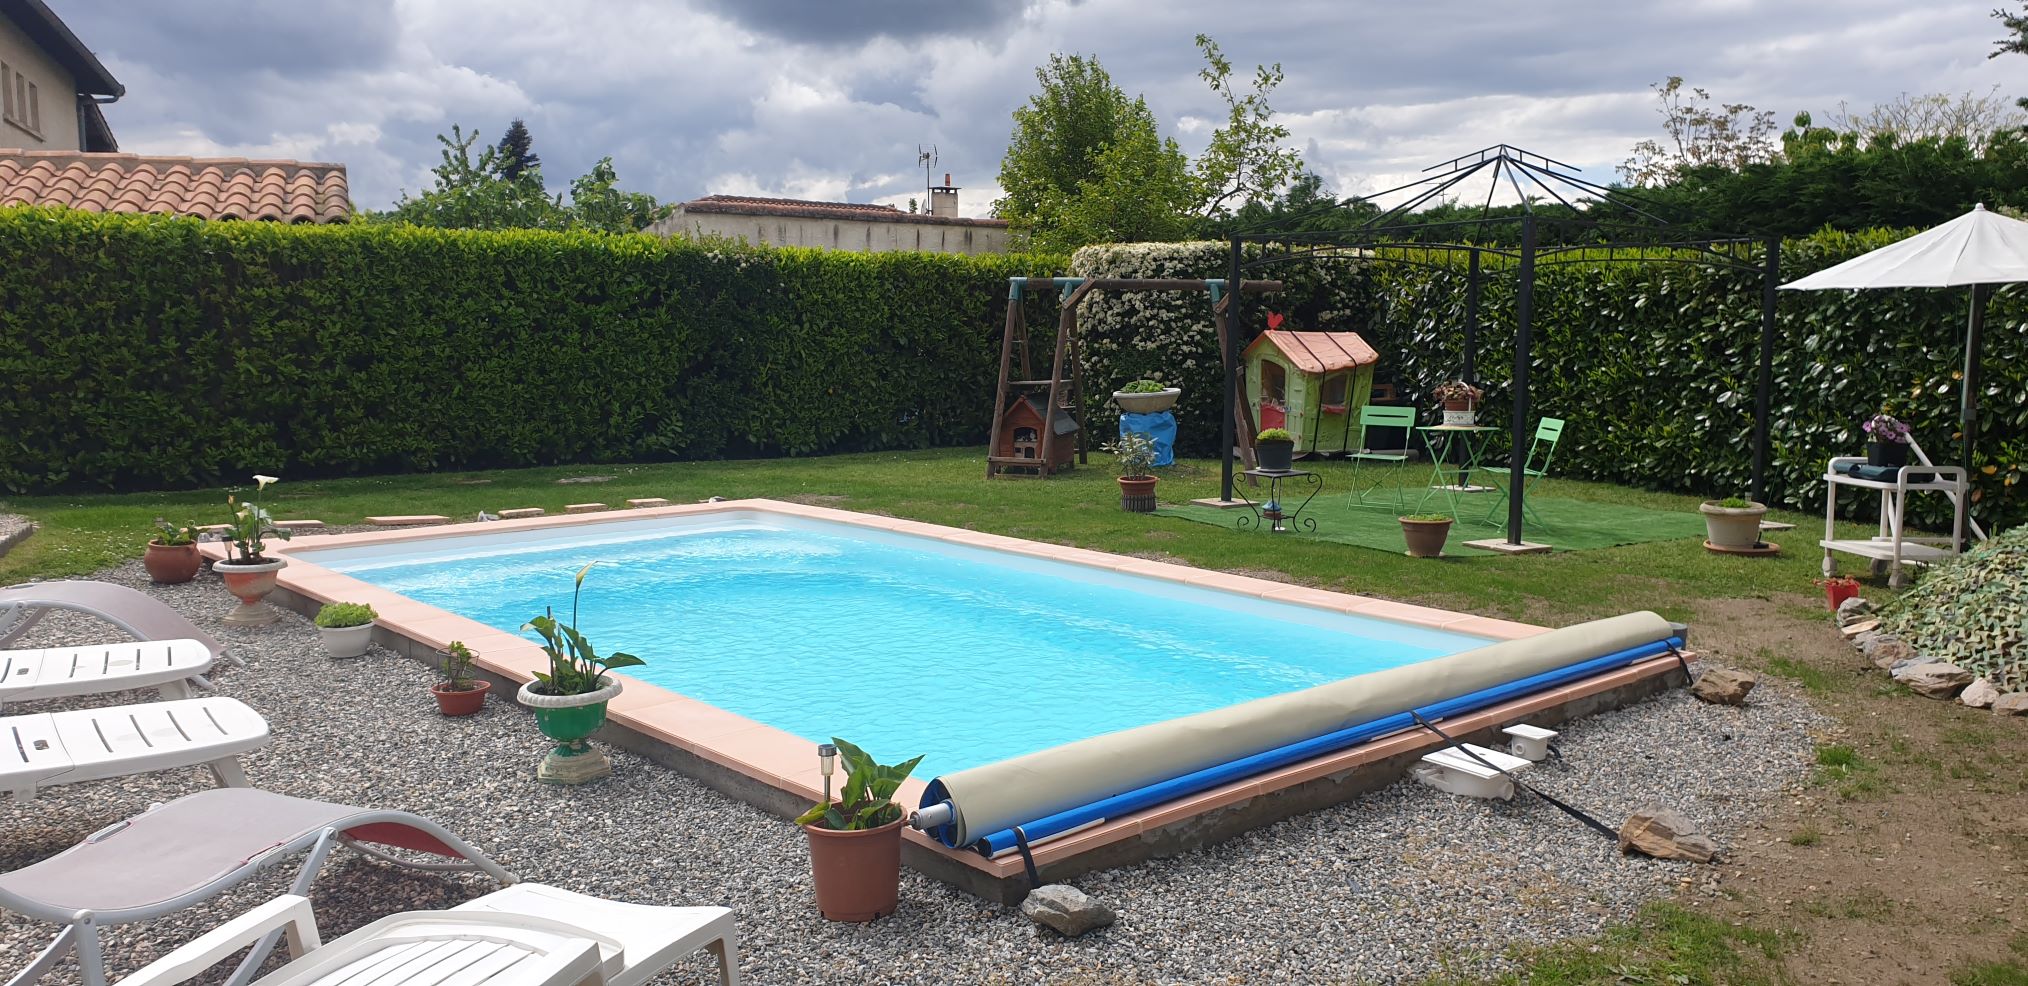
1389	888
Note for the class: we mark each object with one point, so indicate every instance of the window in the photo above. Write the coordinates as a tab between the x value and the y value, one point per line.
6	91
1273	381
22	103
1333	396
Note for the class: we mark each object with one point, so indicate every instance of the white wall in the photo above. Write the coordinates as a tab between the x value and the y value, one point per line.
864	236
56	95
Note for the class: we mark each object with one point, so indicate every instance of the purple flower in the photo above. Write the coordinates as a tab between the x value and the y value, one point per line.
1887	428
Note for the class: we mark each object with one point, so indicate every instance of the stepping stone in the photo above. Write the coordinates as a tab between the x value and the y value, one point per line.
583	508
406	520
648	501
521	512
299	525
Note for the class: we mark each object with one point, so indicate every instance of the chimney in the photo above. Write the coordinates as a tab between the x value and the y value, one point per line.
944	199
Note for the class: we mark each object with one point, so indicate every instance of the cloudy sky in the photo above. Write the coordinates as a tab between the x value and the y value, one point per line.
829	99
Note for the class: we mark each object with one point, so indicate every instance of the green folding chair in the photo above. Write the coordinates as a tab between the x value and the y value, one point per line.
1548	432
1382	417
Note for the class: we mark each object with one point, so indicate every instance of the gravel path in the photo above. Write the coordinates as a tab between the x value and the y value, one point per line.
1389	888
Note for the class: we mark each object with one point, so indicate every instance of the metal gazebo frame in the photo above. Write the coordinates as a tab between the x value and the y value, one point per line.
1390	237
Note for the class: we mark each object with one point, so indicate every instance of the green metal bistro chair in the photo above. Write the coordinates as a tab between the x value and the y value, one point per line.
1382	417
1548	432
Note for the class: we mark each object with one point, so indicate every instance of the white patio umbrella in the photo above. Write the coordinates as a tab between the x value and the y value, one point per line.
1978	249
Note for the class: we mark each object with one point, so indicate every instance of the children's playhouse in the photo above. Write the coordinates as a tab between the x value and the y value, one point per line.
1311	383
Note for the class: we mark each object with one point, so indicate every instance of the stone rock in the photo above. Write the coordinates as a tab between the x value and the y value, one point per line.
1853	610
1863	639
2012	704
1666	833
1867	625
1936	679
1723	686
1066	910
1897	667
1885	650
1980	694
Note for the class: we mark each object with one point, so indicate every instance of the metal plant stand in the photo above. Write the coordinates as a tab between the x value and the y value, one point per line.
1271	515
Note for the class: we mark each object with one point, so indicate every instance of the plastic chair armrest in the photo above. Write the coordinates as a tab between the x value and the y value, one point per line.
288	912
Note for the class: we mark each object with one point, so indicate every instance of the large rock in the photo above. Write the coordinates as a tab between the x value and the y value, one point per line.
1853	610
2012	704
1723	686
1066	910
1666	833
1980	694
1885	650
1936	679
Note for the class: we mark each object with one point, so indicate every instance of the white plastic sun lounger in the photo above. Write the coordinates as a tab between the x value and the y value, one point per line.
644	940
196	847
140	615
51	748
168	666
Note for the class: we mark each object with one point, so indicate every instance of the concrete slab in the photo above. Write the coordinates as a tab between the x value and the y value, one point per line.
648	501
1212	501
584	508
1500	546
404	520
521	512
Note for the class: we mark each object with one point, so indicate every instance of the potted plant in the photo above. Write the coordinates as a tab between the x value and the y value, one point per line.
570	700
459	694
855	841
1837	589
1275	449
1733	522
347	628
1134	454
248	573
1146	397
1887	440
1460	402
1426	534
171	557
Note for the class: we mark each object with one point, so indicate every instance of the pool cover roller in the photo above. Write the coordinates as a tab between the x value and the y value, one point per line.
1065	787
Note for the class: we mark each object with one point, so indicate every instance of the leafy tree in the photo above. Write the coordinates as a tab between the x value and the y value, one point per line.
1937	114
516	155
1245	160
478	193
597	203
2016	41
1700	134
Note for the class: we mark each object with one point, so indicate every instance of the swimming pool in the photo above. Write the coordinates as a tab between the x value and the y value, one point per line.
902	644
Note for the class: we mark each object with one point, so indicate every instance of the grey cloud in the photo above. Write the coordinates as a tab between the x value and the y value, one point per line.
214	38
851	22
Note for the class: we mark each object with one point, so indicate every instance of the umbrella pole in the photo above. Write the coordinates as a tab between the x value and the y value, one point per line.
1975	325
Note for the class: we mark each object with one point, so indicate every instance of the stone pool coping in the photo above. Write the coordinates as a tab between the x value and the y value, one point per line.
777	771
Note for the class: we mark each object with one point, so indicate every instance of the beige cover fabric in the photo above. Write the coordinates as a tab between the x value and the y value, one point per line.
997	796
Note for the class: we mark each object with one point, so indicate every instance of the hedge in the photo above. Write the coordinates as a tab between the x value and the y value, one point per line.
159	352
1651	363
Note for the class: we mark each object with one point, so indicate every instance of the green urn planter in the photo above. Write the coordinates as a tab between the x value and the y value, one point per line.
570	720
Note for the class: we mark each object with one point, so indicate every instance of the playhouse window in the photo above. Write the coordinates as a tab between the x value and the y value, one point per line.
1025	442
1273	382
1333	396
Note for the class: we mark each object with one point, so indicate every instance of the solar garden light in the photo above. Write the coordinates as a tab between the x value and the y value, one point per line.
827	762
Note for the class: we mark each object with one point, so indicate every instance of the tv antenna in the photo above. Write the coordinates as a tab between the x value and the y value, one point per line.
926	157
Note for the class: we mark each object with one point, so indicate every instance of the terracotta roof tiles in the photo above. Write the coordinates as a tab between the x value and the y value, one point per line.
1318	352
207	188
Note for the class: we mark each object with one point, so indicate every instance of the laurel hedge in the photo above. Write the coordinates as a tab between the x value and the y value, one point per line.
1652	363
158	352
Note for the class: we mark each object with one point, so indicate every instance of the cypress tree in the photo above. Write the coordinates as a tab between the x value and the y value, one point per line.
516	155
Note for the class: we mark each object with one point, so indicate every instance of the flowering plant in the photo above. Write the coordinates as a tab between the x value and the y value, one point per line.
251	524
1134	454
1457	390
1887	428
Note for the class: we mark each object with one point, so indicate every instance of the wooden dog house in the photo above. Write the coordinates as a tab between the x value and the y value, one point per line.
1311	383
1020	435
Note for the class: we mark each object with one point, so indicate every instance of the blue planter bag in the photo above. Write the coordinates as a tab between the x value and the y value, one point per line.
1159	426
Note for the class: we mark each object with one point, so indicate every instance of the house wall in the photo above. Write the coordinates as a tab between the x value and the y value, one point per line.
863	236
55	96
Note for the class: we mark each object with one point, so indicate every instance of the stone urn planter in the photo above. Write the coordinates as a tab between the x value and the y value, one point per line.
857	873
1147	403
570	720
171	564
1425	535
250	583
1735	527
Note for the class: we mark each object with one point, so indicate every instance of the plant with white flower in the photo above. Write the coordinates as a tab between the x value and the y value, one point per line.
252	524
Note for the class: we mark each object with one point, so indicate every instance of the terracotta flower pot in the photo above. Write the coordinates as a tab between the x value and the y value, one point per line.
1836	591
858	874
1425	537
171	564
250	584
461	703
1137	494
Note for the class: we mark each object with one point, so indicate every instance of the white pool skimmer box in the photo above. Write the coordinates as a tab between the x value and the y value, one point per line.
1529	742
1450	769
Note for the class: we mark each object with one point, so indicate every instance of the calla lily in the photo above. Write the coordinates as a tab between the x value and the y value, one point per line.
264	481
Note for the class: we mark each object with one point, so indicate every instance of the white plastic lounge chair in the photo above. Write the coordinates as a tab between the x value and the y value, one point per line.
140	615
168	666
649	938
51	748
197	847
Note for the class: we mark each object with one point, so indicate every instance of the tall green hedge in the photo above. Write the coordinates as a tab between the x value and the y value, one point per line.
1652	363
152	351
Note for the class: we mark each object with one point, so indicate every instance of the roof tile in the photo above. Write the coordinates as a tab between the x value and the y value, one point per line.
277	191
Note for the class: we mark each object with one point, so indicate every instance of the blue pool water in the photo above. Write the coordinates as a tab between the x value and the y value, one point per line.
902	645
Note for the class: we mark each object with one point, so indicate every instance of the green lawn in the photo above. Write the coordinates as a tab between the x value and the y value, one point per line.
83	533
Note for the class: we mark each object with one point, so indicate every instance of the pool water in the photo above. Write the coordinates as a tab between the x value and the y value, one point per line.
902	645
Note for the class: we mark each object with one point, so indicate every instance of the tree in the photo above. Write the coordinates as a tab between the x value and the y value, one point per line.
1932	115
1701	133
479	194
598	203
2016	41
516	155
1245	160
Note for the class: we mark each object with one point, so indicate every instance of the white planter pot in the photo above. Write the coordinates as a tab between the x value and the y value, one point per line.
1733	527
342	642
1160	400
535	700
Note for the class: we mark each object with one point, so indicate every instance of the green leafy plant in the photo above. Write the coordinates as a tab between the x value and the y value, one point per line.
252	524
338	616
1735	503
1429	518
1144	387
1274	435
172	535
866	801
575	667
456	664
1133	454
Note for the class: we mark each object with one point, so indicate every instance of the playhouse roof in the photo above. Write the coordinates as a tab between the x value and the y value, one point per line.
1318	352
1062	423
